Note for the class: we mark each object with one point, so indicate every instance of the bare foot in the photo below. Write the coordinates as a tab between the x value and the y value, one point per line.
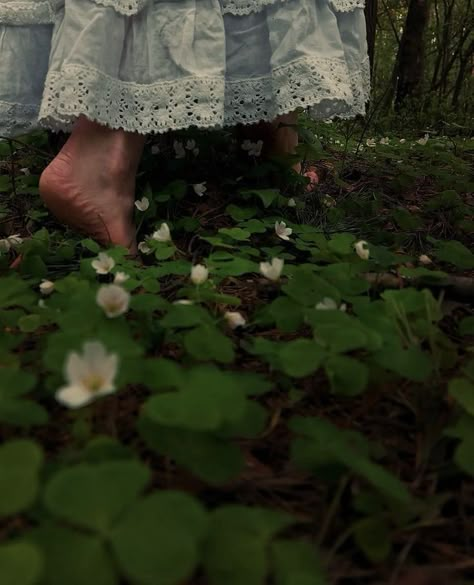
90	185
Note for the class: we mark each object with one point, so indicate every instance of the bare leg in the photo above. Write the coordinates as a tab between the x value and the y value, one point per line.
285	137
281	138
90	185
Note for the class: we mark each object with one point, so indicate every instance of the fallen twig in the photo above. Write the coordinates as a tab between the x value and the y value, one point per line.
456	287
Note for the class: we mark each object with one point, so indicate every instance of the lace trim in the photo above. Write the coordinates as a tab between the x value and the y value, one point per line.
324	85
347	5
17	119
157	107
244	7
125	7
22	13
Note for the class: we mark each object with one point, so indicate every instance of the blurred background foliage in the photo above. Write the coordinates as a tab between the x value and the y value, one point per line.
422	59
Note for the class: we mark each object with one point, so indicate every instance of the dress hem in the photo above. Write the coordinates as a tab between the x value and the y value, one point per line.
329	90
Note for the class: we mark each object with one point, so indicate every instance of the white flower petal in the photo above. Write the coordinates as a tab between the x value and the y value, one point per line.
272	270
76	368
113	299
425	260
327	304
282	231
200	188
120	277
5	245
142	204
74	396
94	353
179	149
144	248
163	234
107	369
15	240
235	319
103	264
89	375
46	287
199	274
362	250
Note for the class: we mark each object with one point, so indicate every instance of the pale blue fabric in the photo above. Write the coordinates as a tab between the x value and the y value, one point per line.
156	65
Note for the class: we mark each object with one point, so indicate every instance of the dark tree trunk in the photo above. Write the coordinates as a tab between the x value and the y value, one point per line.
371	21
463	66
411	53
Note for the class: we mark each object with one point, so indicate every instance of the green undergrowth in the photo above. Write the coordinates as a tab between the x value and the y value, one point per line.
311	436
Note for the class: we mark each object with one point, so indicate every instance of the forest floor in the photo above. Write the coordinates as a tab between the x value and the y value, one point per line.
328	439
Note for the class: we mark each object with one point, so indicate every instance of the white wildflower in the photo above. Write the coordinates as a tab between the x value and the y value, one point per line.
103	264
282	231
162	234
191	145
25	171
46	287
402	140
15	240
329	201
253	148
113	299
200	188
142	204
425	260
5	245
385	140
120	277
328	304
179	149
199	274
362	249
291	202
10	242
234	319
272	270
144	248
88	375
424	140
183	302
371	142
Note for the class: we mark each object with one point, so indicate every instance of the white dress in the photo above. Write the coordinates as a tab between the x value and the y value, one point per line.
156	65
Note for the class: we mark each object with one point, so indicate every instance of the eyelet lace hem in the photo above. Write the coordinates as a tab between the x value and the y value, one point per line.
323	85
244	7
347	5
125	7
23	13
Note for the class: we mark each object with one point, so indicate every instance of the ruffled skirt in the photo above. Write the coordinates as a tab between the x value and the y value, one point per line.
156	65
